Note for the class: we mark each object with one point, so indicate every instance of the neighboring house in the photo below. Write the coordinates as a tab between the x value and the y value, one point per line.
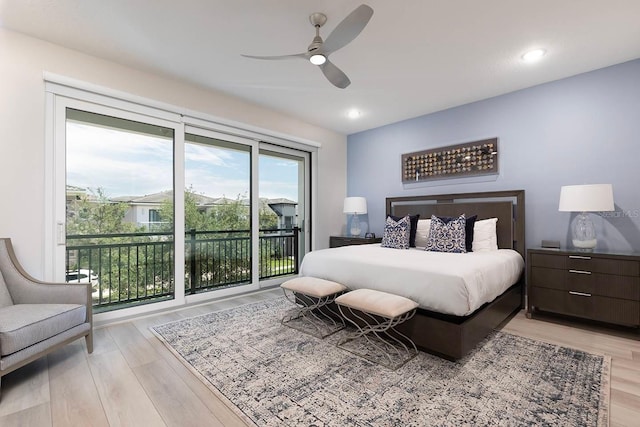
144	211
287	211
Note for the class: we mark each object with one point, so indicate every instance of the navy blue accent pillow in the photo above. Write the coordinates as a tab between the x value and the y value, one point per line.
413	220
468	229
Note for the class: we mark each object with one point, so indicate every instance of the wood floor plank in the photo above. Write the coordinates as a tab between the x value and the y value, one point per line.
25	388
124	400
175	401
102	341
623	416
39	415
74	397
132	344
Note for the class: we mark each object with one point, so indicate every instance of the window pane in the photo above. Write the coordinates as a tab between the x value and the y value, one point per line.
281	187
217	213
119	198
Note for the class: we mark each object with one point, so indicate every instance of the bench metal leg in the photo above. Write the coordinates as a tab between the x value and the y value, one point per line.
383	344
313	316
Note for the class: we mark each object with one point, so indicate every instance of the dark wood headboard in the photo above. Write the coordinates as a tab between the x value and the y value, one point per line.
507	206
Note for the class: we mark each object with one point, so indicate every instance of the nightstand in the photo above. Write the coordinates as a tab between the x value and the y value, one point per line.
595	285
337	241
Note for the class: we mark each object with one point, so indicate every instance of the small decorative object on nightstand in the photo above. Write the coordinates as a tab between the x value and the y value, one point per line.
337	241
599	286
584	199
355	206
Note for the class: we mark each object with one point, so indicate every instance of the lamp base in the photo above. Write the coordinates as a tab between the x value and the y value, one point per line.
355	226
584	232
585	244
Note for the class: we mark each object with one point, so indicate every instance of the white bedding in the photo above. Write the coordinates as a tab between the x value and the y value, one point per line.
447	283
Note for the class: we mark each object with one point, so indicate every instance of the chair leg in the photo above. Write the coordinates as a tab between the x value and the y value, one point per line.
89	340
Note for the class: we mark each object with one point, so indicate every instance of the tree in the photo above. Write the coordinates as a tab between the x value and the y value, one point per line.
267	217
94	213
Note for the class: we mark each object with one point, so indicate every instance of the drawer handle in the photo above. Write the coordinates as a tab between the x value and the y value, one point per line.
580	294
579	257
579	272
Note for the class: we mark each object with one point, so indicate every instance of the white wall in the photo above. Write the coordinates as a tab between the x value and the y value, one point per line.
22	131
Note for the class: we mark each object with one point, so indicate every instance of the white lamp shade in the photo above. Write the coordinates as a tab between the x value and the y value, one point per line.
586	198
355	205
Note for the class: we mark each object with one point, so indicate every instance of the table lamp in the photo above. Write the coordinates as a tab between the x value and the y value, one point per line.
585	199
355	206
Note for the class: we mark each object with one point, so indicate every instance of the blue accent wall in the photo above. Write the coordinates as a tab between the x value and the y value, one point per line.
583	129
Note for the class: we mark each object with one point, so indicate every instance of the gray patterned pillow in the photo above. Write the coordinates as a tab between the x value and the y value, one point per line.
396	233
447	236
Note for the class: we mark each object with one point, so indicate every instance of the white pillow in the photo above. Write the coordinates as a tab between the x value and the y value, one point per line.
422	233
485	237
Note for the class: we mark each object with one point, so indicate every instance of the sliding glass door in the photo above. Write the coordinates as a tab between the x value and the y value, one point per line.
147	209
217	203
284	200
119	196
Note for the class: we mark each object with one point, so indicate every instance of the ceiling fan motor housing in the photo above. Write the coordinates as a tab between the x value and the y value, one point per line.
317	19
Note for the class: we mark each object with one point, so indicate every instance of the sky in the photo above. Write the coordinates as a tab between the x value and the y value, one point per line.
133	164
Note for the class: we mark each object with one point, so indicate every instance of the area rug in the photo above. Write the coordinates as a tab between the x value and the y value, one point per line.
272	375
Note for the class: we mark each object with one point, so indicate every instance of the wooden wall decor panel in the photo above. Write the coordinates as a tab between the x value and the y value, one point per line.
454	161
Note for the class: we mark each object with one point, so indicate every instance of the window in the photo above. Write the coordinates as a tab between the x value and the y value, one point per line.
150	206
115	167
154	216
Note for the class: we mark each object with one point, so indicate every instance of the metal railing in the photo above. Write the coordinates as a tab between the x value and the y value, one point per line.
135	268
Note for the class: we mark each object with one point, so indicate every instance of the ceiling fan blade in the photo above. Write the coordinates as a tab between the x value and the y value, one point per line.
348	29
297	55
335	75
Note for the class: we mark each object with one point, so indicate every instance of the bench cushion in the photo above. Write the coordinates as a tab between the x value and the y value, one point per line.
313	287
23	325
375	302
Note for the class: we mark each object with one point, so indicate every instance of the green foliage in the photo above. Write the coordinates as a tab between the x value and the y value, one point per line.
268	218
96	214
138	267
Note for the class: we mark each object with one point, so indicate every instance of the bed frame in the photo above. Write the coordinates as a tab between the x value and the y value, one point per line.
452	337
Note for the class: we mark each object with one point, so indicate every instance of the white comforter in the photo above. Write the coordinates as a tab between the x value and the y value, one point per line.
447	283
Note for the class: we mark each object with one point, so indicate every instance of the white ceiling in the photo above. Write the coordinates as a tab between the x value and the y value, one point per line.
415	56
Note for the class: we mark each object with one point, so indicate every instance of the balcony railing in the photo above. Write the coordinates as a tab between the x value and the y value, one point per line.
134	268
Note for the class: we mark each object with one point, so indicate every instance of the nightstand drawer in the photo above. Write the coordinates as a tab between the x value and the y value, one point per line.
585	305
586	262
549	261
625	287
603	265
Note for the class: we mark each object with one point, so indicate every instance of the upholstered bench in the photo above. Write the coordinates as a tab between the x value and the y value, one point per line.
375	315
313	314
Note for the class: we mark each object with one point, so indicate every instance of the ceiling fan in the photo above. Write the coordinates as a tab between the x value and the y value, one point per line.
318	51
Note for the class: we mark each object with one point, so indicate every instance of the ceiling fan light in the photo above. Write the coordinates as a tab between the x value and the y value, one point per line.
318	59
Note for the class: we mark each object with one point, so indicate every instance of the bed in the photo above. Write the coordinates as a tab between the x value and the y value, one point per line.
460	302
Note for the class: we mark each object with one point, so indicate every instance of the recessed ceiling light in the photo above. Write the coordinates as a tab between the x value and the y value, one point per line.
533	55
354	114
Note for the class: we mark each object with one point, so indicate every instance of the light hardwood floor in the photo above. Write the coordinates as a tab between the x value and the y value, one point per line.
131	379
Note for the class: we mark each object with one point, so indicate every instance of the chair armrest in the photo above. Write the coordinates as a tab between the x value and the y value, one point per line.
24	289
51	293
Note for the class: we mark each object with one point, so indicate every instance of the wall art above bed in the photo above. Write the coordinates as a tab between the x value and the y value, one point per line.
454	161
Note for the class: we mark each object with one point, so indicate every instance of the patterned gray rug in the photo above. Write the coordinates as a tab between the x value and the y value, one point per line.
272	375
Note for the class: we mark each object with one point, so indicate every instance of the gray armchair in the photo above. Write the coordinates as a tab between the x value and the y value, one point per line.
37	317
